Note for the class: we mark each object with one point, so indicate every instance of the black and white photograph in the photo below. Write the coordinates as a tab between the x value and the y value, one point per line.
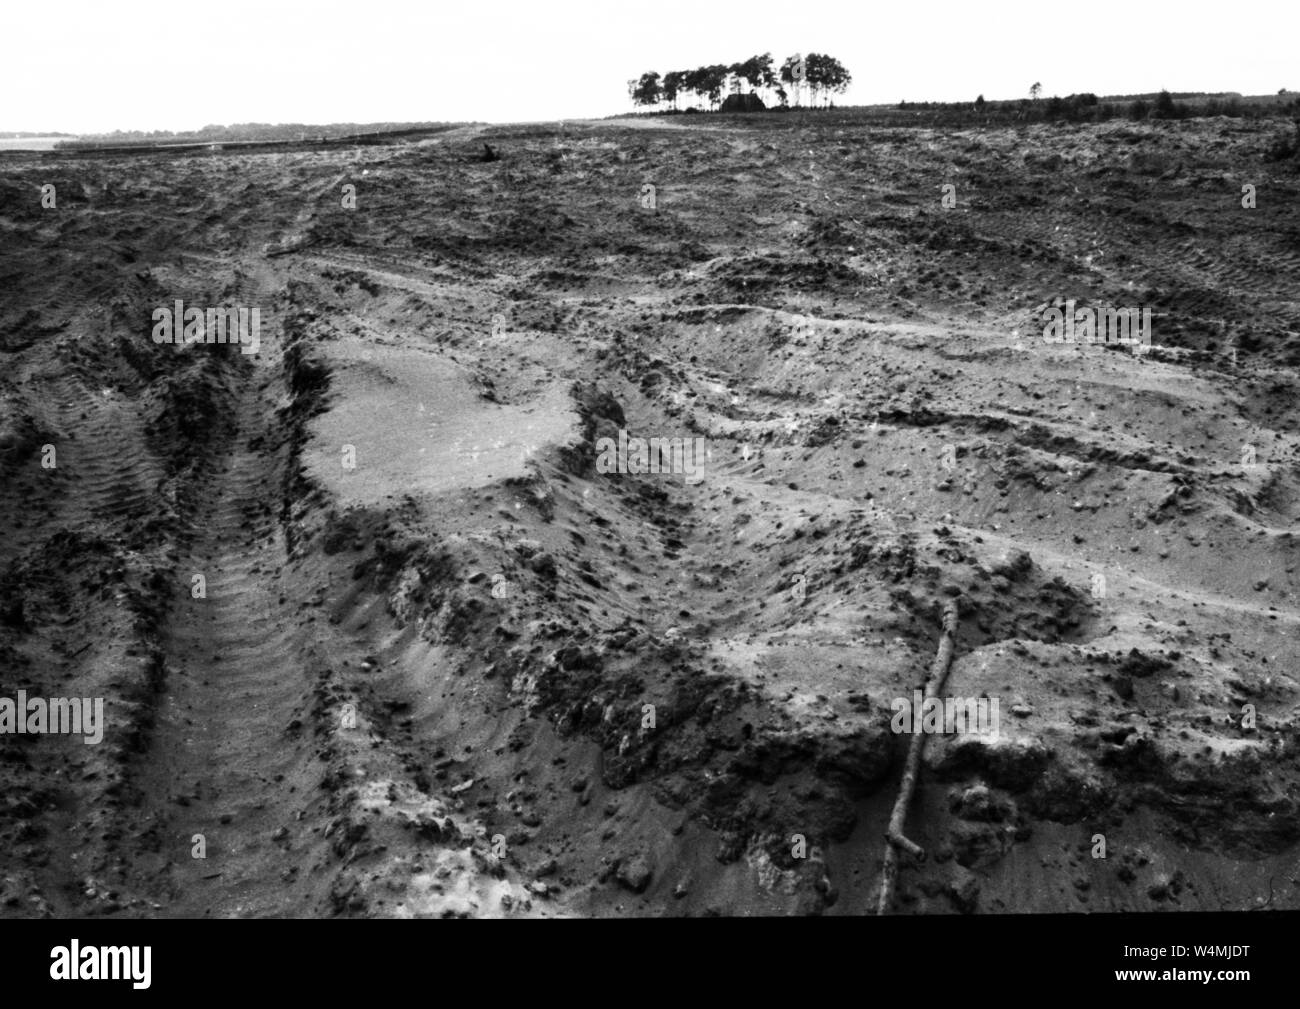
570	460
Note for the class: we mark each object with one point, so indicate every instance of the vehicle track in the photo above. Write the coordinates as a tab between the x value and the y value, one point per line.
221	778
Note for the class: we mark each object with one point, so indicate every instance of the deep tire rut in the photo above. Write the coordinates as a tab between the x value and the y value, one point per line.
220	776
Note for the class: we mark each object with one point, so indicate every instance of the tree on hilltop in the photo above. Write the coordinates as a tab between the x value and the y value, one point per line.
794	71
756	72
694	82
767	77
714	81
674	83
647	90
736	79
826	75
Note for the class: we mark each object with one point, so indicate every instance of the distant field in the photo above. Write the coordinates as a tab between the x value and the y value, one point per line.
29	143
252	136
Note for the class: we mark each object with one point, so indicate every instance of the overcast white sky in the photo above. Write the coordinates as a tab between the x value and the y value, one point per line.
98	65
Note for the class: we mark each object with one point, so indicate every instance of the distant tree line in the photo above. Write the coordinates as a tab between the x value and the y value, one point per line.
820	75
1087	107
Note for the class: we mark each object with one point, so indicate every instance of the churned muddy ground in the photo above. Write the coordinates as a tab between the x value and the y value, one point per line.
377	636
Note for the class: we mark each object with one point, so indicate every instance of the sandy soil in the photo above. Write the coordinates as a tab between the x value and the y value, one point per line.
421	676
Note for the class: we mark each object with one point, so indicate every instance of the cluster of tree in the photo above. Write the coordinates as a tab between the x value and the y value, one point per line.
821	75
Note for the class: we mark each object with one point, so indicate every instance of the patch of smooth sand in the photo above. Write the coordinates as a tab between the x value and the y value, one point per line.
417	425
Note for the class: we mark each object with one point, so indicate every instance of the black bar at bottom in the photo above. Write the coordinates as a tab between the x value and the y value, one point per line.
808	957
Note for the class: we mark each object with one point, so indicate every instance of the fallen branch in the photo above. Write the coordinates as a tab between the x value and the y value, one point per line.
894	838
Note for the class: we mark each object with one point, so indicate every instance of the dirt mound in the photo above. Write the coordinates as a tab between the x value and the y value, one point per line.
742	103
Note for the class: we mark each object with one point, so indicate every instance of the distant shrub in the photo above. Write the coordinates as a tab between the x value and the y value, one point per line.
1075	107
1165	106
1139	110
1219	107
1286	145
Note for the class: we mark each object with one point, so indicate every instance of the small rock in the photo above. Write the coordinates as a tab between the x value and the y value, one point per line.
634	874
547	868
964	892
